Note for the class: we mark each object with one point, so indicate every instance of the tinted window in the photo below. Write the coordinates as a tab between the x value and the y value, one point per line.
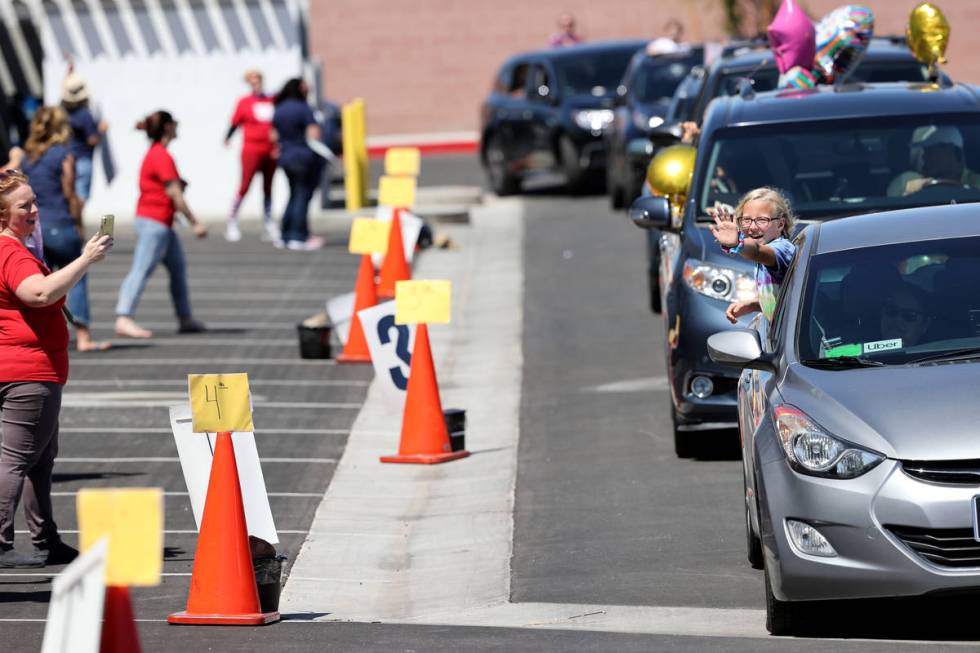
835	167
893	303
595	73
657	80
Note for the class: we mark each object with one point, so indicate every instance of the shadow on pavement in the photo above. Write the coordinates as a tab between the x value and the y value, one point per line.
719	445
62	477
20	597
946	618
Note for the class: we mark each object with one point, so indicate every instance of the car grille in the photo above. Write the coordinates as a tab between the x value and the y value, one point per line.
954	472
947	547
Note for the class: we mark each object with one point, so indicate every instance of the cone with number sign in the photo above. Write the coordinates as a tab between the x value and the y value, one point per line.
365	296
119	634
424	438
394	268
223	590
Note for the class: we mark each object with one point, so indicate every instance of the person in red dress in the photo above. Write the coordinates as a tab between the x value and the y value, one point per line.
253	114
33	370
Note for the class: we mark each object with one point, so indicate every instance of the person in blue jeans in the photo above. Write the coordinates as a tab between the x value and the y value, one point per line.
49	165
294	124
86	133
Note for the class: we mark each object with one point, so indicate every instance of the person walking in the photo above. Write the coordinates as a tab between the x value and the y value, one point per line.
161	196
50	167
566	34
253	114
85	131
294	124
33	370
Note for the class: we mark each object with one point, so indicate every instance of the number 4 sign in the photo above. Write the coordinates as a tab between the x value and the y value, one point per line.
220	402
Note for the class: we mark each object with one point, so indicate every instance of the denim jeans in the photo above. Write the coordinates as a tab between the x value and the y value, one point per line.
155	243
303	180
83	177
62	245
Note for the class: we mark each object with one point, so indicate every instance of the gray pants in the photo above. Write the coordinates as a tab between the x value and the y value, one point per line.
29	411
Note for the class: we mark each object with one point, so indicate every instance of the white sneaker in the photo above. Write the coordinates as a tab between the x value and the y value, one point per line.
232	233
310	244
271	232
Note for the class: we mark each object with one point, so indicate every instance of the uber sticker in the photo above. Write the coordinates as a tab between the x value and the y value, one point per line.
882	345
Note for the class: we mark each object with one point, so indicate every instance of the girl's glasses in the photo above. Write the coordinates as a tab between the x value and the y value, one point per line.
761	222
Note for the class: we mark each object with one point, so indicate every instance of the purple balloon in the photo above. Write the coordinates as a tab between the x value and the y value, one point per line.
792	37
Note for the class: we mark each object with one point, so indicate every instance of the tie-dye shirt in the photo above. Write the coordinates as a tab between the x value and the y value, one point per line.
768	279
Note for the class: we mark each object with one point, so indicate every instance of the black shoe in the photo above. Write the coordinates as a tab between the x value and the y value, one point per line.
191	326
12	559
58	553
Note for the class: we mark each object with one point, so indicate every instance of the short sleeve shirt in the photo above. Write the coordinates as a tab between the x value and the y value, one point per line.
45	176
33	341
157	171
83	127
291	119
768	279
254	115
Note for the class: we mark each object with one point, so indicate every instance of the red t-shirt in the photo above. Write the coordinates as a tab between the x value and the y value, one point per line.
33	341
157	171
254	115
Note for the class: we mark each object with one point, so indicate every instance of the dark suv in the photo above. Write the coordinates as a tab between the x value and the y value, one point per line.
834	151
642	101
547	112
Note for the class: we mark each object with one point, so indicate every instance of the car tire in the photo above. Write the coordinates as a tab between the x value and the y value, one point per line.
685	445
574	175
784	617
501	181
753	543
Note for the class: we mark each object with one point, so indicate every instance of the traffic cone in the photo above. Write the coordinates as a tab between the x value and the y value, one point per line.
223	590
424	438
119	634
393	268
365	296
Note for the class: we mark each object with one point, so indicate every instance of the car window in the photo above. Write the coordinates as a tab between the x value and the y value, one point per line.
501	83
541	84
518	80
830	168
656	81
894	303
780	314
595	73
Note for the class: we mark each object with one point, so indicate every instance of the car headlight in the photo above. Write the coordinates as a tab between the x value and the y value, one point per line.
645	122
718	282
813	451
593	119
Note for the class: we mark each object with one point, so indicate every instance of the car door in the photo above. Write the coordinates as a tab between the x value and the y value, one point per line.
542	118
504	113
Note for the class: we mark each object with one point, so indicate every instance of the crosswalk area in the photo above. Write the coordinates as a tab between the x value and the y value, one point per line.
115	427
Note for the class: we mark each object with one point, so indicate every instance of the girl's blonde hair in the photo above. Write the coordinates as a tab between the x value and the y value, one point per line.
780	204
10	180
48	127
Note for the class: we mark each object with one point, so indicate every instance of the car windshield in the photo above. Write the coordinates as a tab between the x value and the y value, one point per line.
831	168
895	304
767	78
656	81
595	73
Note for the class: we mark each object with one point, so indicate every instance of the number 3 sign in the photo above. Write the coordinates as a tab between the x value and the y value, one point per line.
220	402
390	345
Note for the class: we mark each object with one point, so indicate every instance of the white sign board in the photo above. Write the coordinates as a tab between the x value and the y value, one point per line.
411	228
340	310
390	345
74	622
196	450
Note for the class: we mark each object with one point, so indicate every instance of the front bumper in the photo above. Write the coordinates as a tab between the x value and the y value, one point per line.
855	515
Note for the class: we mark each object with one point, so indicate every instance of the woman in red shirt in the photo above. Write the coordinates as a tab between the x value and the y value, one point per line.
161	196
33	369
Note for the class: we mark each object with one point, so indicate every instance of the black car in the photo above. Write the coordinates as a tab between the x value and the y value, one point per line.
834	151
547	112
642	101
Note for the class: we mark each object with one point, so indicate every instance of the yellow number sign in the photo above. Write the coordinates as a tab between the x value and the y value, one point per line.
398	192
403	161
368	236
132	519
220	402
422	302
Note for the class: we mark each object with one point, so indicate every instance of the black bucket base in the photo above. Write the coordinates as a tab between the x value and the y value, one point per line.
314	342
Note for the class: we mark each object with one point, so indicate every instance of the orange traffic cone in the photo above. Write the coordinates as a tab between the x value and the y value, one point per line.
365	296
424	438
223	590
394	268
119	634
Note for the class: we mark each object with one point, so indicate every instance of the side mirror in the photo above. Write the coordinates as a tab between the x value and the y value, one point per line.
651	212
740	348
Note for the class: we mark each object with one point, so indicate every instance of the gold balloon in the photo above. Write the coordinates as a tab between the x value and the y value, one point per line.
928	34
669	173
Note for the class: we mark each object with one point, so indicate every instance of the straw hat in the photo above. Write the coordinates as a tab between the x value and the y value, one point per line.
74	89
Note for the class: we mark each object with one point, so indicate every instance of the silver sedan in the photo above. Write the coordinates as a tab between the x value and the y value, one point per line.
859	414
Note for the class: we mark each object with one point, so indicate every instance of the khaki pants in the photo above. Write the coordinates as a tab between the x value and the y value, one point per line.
29	412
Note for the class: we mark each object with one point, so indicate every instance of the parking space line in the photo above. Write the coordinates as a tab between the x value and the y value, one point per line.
210	296
106	362
174	459
290	495
169	532
252	383
155	430
90	402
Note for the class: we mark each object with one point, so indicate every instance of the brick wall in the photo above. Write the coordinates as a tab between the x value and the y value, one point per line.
424	66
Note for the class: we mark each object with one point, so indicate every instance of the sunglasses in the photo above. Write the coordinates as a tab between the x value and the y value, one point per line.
909	315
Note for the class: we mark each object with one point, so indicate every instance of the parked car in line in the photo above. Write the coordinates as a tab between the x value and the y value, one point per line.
834	152
641	103
547	111
858	414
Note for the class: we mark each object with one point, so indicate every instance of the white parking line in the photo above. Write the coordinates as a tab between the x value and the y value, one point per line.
244	296
174	459
170	532
105	362
252	383
159	430
289	495
201	340
52	574
72	402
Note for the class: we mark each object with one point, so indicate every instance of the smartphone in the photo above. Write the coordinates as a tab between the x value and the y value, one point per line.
107	225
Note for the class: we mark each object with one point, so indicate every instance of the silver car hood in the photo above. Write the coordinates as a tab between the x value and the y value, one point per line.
929	412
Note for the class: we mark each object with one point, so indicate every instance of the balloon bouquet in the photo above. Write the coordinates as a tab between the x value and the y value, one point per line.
828	53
